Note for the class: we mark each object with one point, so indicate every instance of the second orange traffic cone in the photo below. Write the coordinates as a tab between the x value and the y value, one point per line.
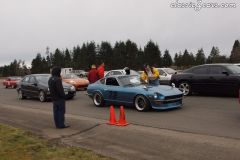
112	118
122	119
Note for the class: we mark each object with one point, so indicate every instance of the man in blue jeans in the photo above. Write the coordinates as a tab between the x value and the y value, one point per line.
58	97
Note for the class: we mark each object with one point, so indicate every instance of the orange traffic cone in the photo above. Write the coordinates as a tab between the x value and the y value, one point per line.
122	121
112	118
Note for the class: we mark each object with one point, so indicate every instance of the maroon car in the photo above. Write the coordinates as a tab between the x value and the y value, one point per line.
11	82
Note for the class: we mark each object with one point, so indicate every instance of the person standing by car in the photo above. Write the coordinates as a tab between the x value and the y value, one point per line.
58	97
100	70
154	79
127	70
150	75
93	74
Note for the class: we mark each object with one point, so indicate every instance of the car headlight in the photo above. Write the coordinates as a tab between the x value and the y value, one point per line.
73	82
155	96
72	88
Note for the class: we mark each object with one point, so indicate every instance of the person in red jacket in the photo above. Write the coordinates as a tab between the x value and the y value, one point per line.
93	74
101	70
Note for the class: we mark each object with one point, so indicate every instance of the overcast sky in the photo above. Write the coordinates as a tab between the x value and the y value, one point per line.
27	27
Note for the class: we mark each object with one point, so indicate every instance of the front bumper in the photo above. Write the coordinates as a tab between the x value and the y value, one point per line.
167	104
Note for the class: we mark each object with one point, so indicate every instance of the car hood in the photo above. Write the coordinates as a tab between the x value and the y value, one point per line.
164	90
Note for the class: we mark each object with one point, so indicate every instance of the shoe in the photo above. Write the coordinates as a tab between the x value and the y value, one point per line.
66	126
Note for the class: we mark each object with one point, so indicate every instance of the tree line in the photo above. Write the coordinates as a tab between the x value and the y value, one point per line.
122	54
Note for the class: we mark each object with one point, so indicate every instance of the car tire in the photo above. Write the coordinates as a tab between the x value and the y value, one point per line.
141	103
42	96
185	87
98	99
21	95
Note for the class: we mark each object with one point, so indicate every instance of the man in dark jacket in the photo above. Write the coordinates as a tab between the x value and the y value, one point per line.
58	97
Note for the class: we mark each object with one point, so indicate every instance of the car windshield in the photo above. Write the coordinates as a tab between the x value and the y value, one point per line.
129	80
234	69
43	78
70	76
170	70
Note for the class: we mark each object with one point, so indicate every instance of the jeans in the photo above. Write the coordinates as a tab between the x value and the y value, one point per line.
154	82
58	113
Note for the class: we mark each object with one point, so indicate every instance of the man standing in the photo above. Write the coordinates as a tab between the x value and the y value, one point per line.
101	70
93	74
58	97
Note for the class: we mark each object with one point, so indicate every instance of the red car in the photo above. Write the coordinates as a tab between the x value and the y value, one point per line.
11	82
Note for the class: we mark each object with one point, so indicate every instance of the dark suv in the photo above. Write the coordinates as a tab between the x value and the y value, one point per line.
209	78
36	85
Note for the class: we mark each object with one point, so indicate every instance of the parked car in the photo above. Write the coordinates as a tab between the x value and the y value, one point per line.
36	86
165	75
78	83
209	78
129	91
120	72
11	82
80	73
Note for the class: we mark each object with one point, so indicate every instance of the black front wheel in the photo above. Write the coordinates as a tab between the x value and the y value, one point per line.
185	87
42	96
98	99
141	103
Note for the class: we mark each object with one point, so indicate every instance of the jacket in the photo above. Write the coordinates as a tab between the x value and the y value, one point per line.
55	85
93	75
100	71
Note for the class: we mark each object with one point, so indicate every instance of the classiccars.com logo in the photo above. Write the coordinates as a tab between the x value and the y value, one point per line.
199	4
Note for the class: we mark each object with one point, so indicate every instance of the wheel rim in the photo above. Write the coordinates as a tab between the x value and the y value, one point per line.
41	96
97	99
20	94
185	88
140	103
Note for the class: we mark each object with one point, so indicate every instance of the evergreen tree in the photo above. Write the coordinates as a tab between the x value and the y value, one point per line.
58	58
214	55
37	64
152	54
235	54
200	57
90	55
131	54
167	59
119	53
76	57
68	59
106	55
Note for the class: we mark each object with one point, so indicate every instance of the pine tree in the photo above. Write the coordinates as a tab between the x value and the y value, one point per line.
214	55
152	54
167	59
67	59
235	54
58	58
131	53
200	57
106	55
37	64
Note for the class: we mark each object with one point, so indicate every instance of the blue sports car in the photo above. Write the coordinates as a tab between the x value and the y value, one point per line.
129	91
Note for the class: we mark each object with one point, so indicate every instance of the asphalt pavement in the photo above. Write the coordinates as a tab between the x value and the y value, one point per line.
205	128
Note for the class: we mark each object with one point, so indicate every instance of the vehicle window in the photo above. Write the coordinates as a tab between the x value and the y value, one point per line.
129	80
200	70
161	72
116	73
234	69
108	74
170	71
43	78
112	82
26	79
32	80
133	72
216	70
102	81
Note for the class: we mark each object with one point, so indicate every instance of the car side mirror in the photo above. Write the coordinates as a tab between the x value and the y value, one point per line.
226	73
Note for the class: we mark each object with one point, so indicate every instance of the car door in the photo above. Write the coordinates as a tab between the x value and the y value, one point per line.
111	90
24	85
222	80
164	78
33	86
200	79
